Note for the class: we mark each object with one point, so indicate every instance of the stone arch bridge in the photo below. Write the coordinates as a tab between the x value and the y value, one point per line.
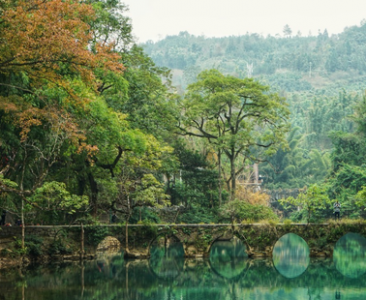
197	239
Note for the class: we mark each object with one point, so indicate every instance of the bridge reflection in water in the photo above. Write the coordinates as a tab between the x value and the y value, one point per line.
228	258
291	255
349	255
228	274
166	258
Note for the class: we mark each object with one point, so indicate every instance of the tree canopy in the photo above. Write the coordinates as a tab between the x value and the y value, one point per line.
90	123
239	116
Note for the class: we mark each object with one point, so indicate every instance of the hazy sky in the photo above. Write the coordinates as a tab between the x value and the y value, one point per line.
154	19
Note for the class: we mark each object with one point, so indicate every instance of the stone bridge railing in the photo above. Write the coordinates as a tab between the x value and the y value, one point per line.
197	239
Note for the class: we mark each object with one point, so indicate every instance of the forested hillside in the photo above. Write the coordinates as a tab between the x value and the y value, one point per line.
321	76
323	79
298	63
91	124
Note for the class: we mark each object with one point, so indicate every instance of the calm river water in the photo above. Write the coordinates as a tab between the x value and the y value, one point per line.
227	274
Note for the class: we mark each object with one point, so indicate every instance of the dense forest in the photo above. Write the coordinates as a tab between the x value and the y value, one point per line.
322	78
172	131
290	63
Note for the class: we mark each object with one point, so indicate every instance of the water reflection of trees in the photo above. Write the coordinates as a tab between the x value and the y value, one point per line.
135	279
228	258
291	255
167	259
349	255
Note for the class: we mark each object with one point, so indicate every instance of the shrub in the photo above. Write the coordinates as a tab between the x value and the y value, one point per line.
58	246
241	210
34	245
287	222
146	214
95	234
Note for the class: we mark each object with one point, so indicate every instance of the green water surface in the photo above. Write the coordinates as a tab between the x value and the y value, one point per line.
227	274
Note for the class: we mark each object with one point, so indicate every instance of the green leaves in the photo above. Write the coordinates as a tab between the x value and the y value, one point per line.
243	211
313	199
361	197
53	195
295	167
239	116
7	182
151	192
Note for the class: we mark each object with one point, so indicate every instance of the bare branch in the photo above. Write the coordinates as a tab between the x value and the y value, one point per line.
17	87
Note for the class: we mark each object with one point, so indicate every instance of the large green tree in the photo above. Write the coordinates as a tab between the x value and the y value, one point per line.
65	113
241	117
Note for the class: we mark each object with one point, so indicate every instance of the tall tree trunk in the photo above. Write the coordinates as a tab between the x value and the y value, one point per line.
94	193
22	212
23	227
165	246
82	242
127	219
81	185
176	216
233	178
220	183
126	232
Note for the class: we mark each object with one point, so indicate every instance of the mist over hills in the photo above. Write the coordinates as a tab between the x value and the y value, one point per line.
291	63
321	76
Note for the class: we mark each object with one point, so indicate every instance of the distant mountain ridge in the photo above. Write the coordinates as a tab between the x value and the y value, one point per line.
291	64
321	76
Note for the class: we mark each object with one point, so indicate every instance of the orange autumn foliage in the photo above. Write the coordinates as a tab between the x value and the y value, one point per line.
38	35
38	38
56	120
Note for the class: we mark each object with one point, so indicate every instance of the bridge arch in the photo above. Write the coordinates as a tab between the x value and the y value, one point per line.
228	261
291	255
168	238
259	239
300	235
166	260
226	237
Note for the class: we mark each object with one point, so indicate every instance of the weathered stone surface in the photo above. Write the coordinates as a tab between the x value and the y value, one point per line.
192	252
136	254
109	244
197	239
7	262
72	257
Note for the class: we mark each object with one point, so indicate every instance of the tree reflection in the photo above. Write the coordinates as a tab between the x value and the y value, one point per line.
166	258
291	255
133	279
109	264
228	258
349	255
